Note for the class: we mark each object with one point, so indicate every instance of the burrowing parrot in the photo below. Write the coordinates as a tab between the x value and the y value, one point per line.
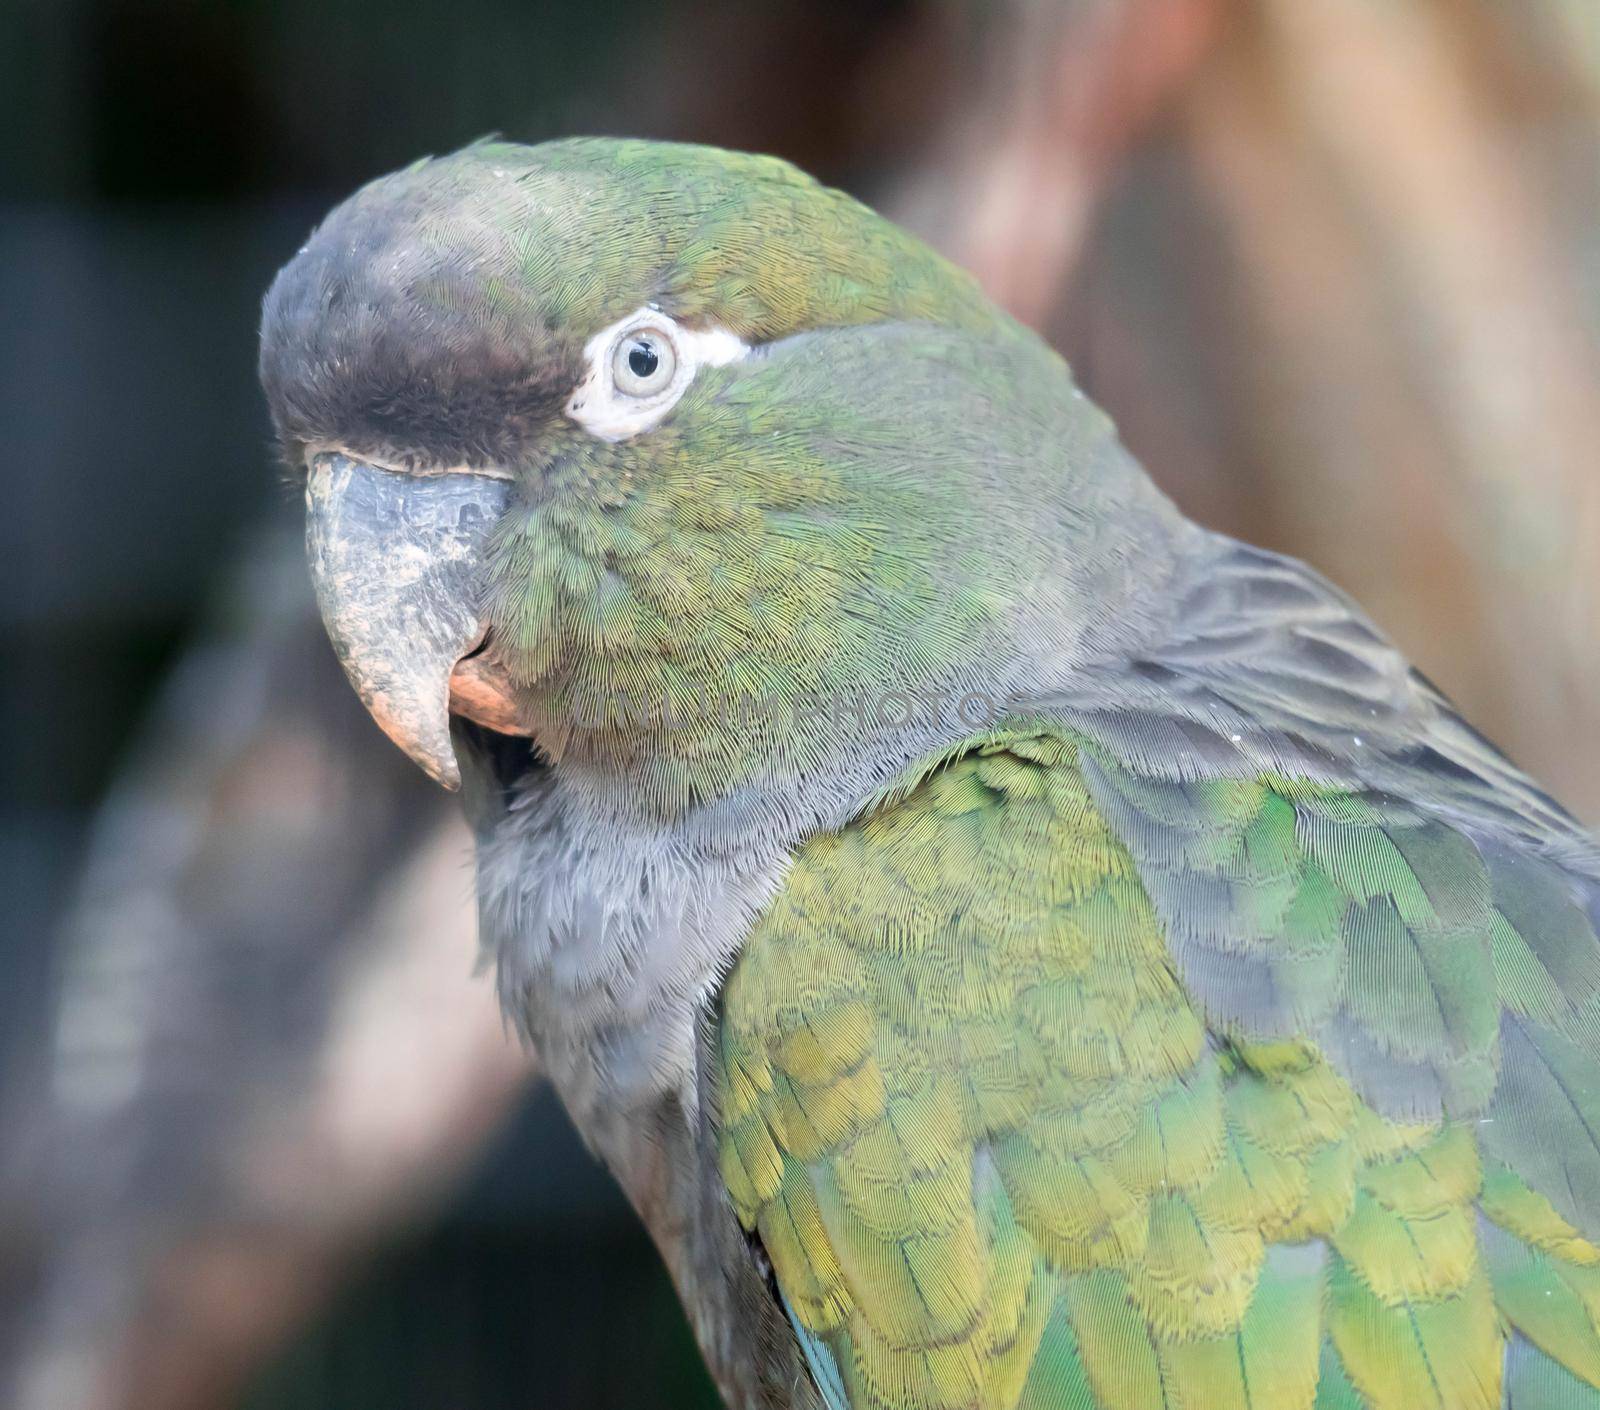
1013	946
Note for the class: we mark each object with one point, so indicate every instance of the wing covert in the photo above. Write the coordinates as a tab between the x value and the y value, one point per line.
1051	1082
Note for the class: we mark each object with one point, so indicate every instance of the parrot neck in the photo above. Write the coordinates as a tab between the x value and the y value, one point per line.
724	765
613	925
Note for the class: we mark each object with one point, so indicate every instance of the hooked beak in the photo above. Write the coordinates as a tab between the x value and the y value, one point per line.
395	560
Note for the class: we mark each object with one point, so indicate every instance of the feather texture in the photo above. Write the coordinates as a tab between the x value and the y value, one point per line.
1052	1081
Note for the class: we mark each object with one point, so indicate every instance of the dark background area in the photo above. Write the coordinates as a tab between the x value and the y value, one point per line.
1333	266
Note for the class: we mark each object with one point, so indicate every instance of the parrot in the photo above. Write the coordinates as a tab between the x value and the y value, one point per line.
1015	948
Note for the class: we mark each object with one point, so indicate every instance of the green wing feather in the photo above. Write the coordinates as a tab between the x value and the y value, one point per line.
1053	1083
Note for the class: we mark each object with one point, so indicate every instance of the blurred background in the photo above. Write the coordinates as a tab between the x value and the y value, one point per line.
1333	265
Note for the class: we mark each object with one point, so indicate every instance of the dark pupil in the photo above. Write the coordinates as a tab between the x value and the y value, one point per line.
642	359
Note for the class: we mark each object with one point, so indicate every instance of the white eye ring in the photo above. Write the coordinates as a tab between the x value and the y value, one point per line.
644	362
620	395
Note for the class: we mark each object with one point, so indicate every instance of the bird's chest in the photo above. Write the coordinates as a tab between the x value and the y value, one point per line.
610	942
610	948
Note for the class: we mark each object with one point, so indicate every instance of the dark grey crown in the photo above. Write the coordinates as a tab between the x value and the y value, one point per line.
385	332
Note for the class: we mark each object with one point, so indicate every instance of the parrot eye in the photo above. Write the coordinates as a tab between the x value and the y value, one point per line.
644	362
637	370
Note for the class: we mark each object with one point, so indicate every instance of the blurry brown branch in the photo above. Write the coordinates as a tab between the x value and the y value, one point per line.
1064	91
270	1047
414	1074
1332	269
1425	385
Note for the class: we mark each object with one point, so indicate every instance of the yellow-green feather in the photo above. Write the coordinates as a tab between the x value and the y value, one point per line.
1002	1152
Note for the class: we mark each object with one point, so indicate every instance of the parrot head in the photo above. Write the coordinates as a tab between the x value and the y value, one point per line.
605	440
